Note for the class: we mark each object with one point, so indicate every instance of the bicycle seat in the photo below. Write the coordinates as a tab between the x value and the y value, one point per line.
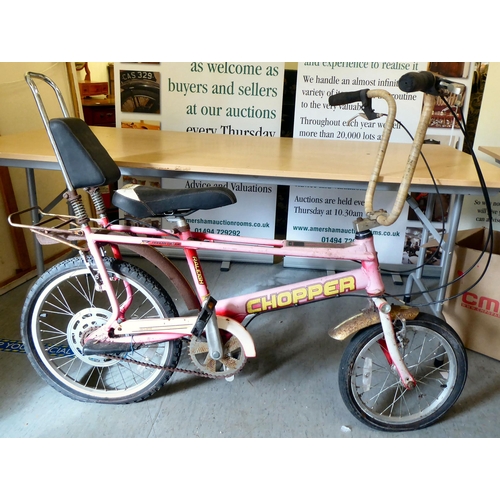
88	164
148	201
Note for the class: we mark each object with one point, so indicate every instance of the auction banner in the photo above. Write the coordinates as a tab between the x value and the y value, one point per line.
326	215
475	214
224	98
317	81
201	97
253	215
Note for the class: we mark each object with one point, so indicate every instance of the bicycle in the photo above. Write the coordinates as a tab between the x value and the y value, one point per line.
100	329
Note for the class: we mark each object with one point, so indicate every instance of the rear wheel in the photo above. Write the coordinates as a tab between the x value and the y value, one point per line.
371	387
64	304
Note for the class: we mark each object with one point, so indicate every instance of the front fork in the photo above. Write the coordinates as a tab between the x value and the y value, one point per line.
392	352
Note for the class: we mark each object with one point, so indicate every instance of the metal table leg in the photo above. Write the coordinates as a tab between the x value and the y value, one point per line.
30	177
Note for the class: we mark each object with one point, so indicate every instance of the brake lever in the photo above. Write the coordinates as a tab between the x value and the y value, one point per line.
363	115
366	104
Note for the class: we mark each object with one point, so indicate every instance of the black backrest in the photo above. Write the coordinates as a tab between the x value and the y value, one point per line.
87	163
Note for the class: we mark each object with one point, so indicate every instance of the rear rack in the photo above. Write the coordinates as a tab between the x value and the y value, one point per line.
52	228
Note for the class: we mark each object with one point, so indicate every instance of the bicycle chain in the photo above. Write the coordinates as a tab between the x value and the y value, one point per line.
169	368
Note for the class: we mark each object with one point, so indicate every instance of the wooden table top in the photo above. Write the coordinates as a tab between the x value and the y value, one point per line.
493	151
276	158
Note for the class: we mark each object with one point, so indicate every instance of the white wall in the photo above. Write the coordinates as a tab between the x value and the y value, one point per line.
98	72
18	109
18	114
488	127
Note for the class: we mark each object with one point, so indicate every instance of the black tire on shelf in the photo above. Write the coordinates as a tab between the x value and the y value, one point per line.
138	99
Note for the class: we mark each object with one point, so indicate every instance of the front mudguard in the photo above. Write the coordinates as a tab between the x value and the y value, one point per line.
370	317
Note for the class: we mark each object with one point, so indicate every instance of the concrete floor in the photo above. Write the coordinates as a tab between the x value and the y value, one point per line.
289	391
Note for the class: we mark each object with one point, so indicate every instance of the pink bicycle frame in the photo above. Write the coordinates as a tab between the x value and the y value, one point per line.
367	277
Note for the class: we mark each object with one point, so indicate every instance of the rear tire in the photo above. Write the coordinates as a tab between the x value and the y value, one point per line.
63	304
371	388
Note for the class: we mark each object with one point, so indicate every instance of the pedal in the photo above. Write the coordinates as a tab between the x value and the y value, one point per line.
94	347
205	314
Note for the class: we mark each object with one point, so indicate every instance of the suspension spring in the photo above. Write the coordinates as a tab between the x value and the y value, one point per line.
97	200
75	200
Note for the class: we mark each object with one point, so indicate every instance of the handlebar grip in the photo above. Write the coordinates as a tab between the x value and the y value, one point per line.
423	81
345	97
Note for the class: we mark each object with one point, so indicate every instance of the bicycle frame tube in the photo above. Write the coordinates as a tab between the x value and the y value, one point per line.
359	250
367	277
296	294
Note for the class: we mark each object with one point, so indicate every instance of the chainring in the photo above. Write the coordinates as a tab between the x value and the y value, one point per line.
231	362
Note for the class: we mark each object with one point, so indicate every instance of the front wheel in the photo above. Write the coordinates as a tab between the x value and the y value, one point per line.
371	387
64	304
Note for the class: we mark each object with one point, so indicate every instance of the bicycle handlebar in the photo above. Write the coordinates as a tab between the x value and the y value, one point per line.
343	98
424	81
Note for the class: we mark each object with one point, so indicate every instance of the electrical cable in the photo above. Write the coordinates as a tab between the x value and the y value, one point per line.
489	239
429	259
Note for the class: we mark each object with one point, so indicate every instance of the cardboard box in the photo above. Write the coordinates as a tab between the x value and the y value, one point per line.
475	315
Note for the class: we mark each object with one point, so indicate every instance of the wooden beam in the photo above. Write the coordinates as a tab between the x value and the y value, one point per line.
10	204
73	87
11	283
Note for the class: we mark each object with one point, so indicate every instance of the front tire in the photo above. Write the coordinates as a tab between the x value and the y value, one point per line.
64	303
371	388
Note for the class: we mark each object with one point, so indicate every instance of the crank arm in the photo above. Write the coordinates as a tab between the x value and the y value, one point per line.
207	322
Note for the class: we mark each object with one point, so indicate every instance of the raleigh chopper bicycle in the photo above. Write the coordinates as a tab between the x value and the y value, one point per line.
99	329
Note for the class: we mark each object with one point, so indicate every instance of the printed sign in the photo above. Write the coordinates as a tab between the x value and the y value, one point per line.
474	212
253	215
224	98
317	81
326	215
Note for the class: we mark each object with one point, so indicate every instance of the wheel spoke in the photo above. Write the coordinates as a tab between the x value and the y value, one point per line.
64	306
373	390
